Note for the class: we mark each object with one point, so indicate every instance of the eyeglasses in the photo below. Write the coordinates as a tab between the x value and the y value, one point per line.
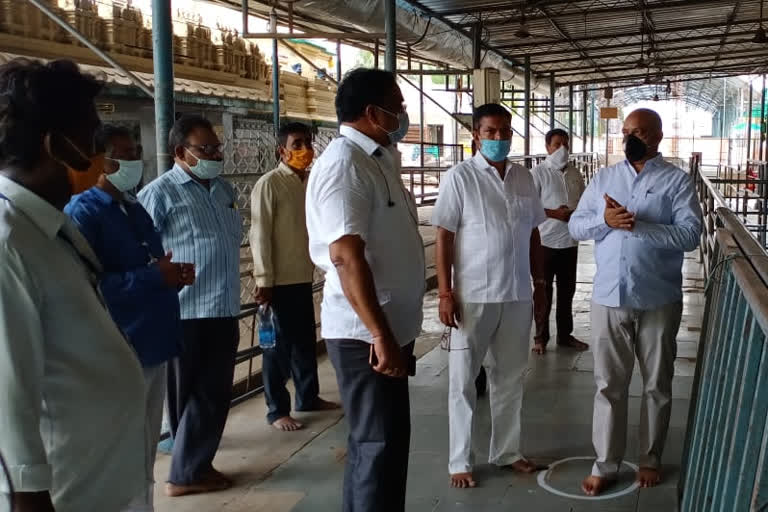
208	149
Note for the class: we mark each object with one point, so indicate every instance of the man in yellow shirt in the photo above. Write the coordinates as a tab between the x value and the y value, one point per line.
283	273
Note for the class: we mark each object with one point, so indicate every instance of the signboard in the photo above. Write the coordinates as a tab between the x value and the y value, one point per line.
609	113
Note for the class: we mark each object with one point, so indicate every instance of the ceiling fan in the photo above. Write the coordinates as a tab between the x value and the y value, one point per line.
524	31
760	36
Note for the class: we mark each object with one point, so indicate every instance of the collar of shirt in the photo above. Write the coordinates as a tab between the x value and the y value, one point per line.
43	214
366	143
283	169
481	163
181	177
653	163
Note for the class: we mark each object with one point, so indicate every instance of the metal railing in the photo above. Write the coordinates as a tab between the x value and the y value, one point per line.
744	192
725	458
587	163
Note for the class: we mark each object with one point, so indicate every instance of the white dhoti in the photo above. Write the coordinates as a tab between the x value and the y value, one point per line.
155	385
618	335
496	336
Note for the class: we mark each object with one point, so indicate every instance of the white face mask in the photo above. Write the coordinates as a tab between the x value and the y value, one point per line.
559	158
128	175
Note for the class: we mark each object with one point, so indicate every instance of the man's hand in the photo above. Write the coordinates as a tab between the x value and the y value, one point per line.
449	310
263	295
32	502
387	357
563	213
187	274
171	271
616	216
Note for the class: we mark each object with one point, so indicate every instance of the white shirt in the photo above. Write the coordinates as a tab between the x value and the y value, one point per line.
71	388
348	193
493	221
557	187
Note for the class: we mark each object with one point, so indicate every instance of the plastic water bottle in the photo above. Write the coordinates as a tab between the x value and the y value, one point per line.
267	327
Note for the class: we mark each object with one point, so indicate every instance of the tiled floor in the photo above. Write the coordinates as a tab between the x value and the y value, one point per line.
304	473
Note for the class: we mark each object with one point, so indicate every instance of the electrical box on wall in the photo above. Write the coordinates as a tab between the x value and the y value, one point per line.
487	86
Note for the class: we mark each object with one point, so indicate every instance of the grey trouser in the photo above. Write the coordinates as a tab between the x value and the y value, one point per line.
618	335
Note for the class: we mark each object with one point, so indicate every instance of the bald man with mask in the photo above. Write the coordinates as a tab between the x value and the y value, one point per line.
643	215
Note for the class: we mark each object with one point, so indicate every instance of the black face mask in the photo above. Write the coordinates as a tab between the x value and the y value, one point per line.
634	148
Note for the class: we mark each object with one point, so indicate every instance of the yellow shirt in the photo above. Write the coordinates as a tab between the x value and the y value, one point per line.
279	240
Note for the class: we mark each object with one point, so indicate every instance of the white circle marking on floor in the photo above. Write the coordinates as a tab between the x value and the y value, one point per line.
544	484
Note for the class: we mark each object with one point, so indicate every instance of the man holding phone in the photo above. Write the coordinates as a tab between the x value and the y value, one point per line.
363	232
643	214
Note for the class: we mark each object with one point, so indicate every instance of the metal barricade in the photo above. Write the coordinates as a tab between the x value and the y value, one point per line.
725	459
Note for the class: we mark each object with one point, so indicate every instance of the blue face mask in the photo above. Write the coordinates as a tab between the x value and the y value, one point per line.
127	176
206	169
403	122
495	150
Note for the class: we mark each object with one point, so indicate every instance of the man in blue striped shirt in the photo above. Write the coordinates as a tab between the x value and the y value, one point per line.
194	211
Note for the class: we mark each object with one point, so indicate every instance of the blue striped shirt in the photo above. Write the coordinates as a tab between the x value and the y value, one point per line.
201	226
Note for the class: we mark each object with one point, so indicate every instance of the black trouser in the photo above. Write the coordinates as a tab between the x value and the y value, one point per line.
199	394
377	409
554	264
295	353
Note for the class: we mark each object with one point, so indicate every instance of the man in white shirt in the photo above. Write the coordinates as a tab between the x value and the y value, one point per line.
363	232
486	214
559	185
71	388
283	273
643	215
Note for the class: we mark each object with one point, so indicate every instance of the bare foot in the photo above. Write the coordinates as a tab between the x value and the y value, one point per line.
571	342
323	405
287	424
463	481
648	477
594	485
525	466
539	348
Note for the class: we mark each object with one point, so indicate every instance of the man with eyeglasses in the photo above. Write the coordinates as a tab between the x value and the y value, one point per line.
194	210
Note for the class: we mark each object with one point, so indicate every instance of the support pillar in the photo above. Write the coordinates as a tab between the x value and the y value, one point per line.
584	122
162	48
749	124
527	115
421	117
762	122
390	25
592	124
552	92
570	112
275	88
376	51
338	60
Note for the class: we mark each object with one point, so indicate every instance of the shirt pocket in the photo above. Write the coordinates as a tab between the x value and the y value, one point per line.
657	208
233	223
522	211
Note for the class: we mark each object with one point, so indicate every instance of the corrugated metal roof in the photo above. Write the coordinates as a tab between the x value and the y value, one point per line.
590	41
597	42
